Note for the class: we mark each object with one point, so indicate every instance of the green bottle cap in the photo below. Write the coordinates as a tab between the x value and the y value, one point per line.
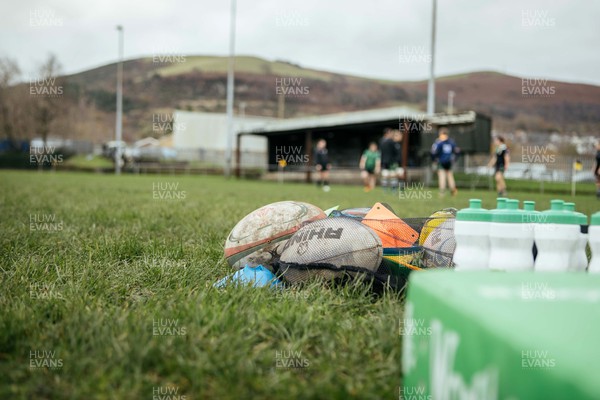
570	207
510	214
531	215
501	203
474	212
557	215
595	219
529	205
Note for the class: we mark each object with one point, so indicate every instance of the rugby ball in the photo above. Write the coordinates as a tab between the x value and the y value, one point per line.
400	262
438	248
258	237
434	221
336	241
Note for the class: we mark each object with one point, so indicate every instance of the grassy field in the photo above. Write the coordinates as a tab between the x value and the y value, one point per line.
247	64
105	292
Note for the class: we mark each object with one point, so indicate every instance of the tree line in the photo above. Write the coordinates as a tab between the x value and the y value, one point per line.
31	107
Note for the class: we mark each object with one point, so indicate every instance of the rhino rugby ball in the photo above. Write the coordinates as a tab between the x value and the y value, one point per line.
259	235
335	241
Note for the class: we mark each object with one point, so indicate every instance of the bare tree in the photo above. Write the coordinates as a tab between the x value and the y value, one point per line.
49	92
9	75
9	72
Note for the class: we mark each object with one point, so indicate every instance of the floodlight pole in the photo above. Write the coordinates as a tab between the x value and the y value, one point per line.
230	86
431	85
119	121
451	95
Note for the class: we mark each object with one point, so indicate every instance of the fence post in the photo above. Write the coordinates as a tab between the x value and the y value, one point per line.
573	169
427	175
309	149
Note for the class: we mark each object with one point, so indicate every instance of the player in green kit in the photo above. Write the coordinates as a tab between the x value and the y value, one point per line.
370	165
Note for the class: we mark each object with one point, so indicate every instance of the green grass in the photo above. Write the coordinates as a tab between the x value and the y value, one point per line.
247	64
121	260
255	65
83	162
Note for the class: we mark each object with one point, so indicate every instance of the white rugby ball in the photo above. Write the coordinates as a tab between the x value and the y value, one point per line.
336	241
258	236
439	245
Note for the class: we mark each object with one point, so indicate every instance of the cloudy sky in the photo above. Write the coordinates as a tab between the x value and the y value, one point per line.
557	39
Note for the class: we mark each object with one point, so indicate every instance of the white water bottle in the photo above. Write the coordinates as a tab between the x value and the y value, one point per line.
556	235
578	260
471	232
531	218
594	240
511	239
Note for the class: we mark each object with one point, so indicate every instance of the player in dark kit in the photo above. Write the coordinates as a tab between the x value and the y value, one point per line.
322	164
398	178
597	170
500	160
443	152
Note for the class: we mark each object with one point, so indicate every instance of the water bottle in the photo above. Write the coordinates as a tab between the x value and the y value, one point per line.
471	232
500	205
556	235
531	218
578	260
511	239
594	240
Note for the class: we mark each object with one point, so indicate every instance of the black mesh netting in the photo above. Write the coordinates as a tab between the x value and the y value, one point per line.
383	251
294	274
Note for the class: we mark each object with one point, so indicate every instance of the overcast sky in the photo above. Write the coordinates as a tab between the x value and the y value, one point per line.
557	39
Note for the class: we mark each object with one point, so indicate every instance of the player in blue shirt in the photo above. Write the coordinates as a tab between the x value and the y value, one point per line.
443	153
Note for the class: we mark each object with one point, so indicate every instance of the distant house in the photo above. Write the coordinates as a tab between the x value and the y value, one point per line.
201	136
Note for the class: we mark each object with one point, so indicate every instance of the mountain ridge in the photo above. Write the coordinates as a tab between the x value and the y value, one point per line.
163	83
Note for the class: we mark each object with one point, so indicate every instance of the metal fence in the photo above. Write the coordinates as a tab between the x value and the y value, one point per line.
556	173
546	168
216	158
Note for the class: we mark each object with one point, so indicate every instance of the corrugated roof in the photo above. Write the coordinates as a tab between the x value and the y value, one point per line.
357	117
331	120
449	119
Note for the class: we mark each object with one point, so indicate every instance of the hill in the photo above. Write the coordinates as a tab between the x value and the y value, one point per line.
158	85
